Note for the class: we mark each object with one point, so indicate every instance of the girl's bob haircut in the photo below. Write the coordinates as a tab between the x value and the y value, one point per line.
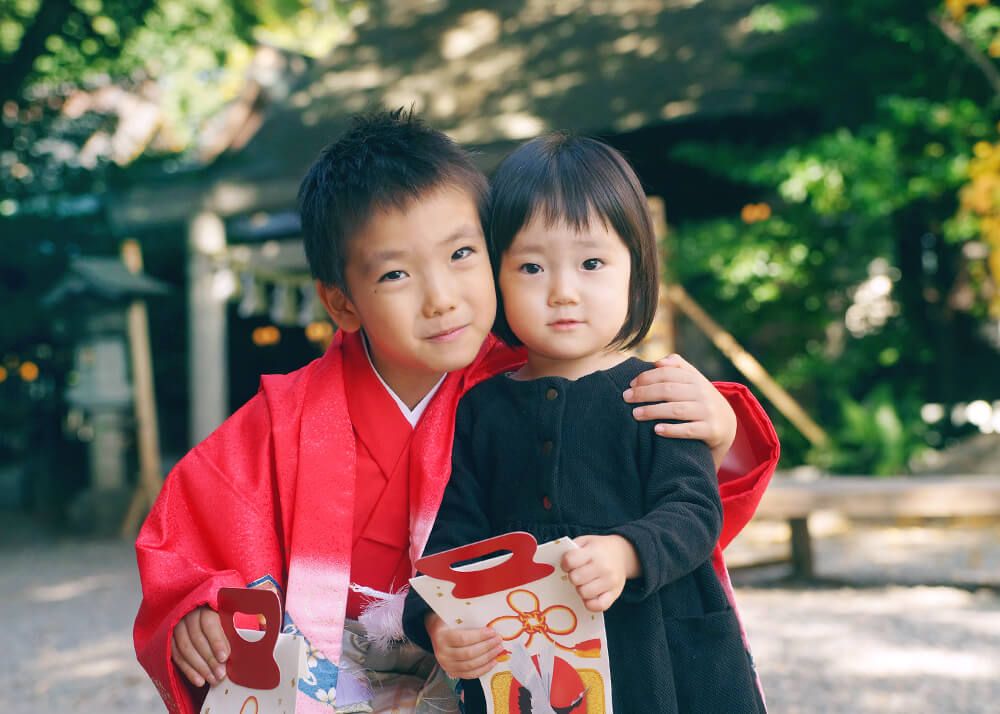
574	180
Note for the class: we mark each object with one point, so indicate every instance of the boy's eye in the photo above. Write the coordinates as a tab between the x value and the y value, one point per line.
531	268
592	263
392	276
462	253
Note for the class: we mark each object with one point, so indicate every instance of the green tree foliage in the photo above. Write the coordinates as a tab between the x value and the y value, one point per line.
861	281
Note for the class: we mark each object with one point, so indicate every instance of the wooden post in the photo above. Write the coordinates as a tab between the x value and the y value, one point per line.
148	438
801	543
208	376
665	309
662	338
749	366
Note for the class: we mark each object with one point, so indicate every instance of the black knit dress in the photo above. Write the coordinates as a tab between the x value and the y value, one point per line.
555	458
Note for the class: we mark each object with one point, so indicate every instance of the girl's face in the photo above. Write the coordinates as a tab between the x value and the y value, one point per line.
565	295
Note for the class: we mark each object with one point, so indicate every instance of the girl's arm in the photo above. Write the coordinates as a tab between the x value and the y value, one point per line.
683	519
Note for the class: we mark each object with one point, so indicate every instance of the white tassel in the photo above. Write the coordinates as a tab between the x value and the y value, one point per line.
523	670
382	618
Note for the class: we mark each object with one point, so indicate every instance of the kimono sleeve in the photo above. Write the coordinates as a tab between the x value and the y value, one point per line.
747	469
461	519
213	525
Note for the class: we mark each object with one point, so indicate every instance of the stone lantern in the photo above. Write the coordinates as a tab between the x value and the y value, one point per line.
95	296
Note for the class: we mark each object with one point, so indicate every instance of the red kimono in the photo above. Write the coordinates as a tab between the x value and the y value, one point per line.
275	492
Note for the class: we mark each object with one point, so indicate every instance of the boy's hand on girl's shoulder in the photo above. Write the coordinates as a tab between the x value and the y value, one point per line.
599	567
199	647
679	391
463	652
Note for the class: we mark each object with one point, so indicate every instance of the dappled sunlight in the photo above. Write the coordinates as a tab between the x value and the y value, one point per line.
877	660
105	657
510	71
70	589
889	649
473	30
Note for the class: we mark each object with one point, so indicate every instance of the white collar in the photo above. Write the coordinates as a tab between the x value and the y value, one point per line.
412	415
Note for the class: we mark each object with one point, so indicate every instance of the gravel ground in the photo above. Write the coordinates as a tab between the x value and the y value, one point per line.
871	647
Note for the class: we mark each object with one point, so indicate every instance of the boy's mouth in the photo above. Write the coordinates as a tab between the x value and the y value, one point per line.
448	335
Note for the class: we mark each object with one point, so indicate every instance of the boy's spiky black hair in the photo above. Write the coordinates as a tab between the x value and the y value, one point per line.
385	161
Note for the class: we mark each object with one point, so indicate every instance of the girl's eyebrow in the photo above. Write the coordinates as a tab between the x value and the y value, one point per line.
582	241
526	248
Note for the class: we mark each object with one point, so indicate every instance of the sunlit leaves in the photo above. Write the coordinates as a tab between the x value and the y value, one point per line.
771	17
904	125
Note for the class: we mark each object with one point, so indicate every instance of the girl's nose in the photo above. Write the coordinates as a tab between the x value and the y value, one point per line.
562	291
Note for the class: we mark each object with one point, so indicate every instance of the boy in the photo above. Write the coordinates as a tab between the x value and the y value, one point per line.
324	486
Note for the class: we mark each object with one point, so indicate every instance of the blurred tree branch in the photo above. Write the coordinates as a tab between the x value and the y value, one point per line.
953	31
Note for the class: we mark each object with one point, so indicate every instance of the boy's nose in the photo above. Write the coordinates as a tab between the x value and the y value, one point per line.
438	300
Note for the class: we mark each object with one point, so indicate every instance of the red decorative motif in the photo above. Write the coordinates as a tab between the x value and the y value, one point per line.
519	569
532	620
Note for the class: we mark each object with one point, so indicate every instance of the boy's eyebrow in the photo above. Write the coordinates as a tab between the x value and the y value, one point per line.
462	232
374	260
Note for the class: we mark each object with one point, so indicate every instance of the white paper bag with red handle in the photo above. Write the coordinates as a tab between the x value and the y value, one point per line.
556	651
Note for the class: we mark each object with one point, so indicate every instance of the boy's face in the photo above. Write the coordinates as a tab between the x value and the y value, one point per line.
566	293
419	282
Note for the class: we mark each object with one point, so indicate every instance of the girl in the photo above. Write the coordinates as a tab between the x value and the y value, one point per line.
547	450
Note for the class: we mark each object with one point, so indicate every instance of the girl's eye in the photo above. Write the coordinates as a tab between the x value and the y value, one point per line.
531	268
392	276
592	263
462	253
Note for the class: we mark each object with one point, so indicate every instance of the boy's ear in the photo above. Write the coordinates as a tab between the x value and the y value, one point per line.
338	306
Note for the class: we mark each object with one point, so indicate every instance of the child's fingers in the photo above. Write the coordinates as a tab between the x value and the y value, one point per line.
697	430
667	371
186	669
673	360
583	574
592	589
576	558
476	672
457	638
184	649
204	648
476	651
466	667
657	392
211	626
600	603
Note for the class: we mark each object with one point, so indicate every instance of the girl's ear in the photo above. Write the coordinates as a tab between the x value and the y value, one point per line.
338	306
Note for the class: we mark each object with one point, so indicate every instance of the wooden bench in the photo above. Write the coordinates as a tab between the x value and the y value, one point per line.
874	497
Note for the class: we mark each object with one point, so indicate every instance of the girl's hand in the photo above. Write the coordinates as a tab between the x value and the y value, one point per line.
199	647
599	569
463	652
681	392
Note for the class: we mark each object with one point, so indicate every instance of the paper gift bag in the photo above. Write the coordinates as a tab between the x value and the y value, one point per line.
262	673
555	658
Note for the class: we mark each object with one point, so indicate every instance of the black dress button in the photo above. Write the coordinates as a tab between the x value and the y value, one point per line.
546	447
551	393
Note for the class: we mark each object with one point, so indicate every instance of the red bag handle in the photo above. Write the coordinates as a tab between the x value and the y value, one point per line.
519	569
251	664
